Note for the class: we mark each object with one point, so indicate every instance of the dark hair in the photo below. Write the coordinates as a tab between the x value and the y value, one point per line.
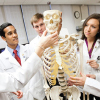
2	27
36	17
93	16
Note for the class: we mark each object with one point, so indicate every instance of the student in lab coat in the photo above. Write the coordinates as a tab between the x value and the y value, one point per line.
8	33
91	48
11	82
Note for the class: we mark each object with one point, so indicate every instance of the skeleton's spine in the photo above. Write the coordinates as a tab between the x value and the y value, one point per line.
61	79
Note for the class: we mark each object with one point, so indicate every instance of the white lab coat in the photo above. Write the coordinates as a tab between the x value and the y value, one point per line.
34	44
92	86
34	88
87	69
11	82
35	41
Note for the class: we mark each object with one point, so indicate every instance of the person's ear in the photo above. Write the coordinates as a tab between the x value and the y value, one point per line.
4	38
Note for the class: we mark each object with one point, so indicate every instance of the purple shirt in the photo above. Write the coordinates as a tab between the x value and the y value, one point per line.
90	51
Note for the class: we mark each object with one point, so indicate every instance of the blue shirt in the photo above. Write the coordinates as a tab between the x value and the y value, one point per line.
11	50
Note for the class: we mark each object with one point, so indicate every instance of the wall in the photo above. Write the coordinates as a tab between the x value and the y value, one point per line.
15	15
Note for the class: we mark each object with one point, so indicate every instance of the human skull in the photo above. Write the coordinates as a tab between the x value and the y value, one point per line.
51	20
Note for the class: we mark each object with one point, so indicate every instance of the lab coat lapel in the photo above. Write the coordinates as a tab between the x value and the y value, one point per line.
23	53
97	44
85	50
9	57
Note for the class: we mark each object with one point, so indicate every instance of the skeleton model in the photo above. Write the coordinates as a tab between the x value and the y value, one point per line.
60	61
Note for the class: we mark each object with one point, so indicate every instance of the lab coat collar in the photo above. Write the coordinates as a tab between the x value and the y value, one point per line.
6	54
97	45
23	53
85	49
38	37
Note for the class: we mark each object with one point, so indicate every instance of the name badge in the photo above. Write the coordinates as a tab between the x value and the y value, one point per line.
98	59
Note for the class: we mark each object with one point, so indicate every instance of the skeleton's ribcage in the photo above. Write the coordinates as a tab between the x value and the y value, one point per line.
61	59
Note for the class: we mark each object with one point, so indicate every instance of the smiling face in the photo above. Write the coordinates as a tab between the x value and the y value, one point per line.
11	37
91	28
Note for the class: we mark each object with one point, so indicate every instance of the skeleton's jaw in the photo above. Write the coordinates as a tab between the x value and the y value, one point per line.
51	31
51	28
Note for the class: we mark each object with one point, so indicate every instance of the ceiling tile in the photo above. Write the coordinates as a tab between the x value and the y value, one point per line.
27	2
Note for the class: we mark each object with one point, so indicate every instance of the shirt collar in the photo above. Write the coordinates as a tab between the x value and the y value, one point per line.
11	50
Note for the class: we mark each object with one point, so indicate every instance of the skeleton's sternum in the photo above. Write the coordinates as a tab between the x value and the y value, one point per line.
58	58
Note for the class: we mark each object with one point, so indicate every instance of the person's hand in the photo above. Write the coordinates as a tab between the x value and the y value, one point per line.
78	81
60	24
93	64
19	94
47	41
91	76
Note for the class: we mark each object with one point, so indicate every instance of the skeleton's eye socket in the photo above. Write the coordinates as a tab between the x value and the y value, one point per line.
55	16
47	17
